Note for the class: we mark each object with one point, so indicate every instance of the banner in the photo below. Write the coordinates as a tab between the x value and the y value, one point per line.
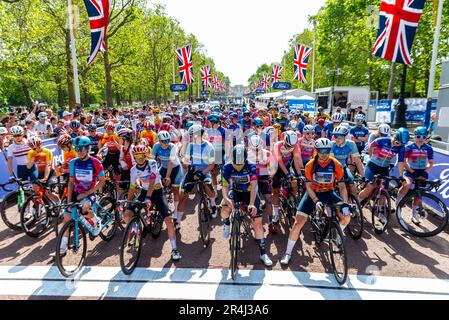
307	105
416	109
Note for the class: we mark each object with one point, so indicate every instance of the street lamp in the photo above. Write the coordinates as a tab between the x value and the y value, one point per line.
328	72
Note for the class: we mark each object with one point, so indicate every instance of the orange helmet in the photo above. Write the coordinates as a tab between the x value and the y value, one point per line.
139	149
34	142
109	126
64	140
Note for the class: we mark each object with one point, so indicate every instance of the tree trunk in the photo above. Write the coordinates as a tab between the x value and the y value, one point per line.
60	91
392	81
25	89
107	71
70	84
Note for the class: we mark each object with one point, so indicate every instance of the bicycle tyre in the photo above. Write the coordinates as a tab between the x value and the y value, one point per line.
335	230
70	226
355	226
156	224
234	247
108	233
125	243
9	201
120	210
204	222
26	225
413	231
56	220
374	213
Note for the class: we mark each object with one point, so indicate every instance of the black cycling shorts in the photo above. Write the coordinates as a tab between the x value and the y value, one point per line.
264	185
158	199
125	177
244	197
112	159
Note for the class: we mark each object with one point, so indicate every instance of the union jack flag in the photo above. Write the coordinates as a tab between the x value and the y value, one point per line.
206	76
300	61
398	24
98	12
276	73
265	81
184	56
215	82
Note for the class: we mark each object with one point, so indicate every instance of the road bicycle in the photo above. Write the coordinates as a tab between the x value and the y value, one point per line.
15	198
289	201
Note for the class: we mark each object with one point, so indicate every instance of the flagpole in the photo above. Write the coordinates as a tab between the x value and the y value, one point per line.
313	65
173	59
73	51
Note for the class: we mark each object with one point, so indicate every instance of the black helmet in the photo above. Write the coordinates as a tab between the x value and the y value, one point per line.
239	154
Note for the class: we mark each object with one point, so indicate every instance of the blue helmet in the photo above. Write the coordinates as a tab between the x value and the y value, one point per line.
258	122
189	124
81	141
402	135
213	117
420	131
234	115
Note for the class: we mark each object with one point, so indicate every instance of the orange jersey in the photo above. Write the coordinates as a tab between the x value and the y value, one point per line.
150	135
325	175
109	140
41	159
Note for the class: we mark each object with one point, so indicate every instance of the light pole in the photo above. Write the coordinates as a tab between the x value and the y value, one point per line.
331	94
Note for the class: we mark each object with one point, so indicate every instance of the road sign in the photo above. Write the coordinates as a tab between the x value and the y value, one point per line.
178	87
260	91
282	86
205	92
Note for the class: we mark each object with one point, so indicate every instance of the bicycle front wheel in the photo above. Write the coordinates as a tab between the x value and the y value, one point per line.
355	226
234	246
131	245
10	212
70	262
34	218
204	222
337	251
108	215
380	211
427	219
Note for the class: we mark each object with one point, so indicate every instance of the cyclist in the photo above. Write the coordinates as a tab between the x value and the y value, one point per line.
235	129
149	134
418	162
126	160
68	153
18	150
241	175
321	173
111	142
282	118
147	186
86	177
319	129
269	137
383	131
337	119
76	131
307	144
95	138
321	115
170	169
140	126
286	155
198	161
4	138
360	132
246	122
344	150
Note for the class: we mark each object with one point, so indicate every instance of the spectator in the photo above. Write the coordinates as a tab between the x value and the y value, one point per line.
67	116
30	130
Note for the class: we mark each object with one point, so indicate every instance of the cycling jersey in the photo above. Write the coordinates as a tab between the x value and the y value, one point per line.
240	178
282	121
318	129
94	140
217	137
359	132
284	153
41	159
328	129
200	155
301	126
165	155
341	153
85	173
384	152
140	126
261	158
108	141
307	149
418	157
126	158
246	124
19	152
323	175
150	135
78	133
68	156
144	174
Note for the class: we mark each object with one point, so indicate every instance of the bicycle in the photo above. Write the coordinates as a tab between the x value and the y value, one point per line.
327	225
144	219
238	218
432	212
288	201
32	221
355	226
76	228
10	217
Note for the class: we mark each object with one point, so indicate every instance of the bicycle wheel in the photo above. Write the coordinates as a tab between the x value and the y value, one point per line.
120	210
234	246
131	245
337	251
380	214
9	210
156	224
57	215
355	226
204	222
430	217
34	217
106	212
72	261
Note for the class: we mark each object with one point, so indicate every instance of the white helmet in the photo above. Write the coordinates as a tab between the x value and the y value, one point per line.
195	128
293	124
163	135
323	143
341	130
269	130
3	130
384	129
16	130
308	128
255	141
290	138
359	118
42	115
338	117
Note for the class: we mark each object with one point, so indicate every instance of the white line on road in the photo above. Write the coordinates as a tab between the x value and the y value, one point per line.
183	283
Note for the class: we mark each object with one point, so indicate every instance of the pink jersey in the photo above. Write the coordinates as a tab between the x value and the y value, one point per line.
284	153
307	149
261	158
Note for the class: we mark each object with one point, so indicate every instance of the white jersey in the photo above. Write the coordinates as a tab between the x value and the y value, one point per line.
42	127
145	174
19	152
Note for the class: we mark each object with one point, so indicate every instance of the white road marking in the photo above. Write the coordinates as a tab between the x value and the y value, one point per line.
183	283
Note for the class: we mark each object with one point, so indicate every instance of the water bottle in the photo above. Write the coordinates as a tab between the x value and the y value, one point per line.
20	198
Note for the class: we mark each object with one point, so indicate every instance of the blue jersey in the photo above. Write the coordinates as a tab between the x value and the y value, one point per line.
282	121
246	124
329	128
85	173
318	129
384	152
341	153
359	132
235	132
200	155
301	126
418	157
165	155
240	179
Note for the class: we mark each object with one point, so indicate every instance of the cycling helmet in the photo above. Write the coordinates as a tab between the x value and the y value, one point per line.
269	130
338	117
92	127
246	113
119	127
290	138
321	122
359	118
34	142
433	116
185	109
283	110
139	149
81	141
125	122
308	128
109	126
255	141
16	130
213	117
341	130
384	129
125	133
75	124
323	143
292	114
420	131
239	154
42	115
189	124
293	124
164	127
258	122
196	128
402	135
3	130
234	115
64	140
163	135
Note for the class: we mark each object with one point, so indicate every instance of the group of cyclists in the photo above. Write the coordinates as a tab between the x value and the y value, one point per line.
244	150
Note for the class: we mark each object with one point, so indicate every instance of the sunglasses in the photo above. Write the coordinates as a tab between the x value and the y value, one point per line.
165	141
81	149
324	151
420	137
17	135
338	136
139	156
